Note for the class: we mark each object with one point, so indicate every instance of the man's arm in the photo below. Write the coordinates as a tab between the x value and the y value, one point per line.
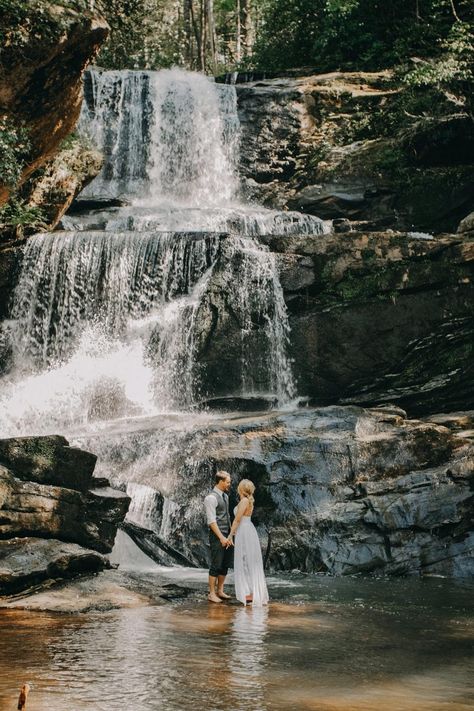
217	531
210	505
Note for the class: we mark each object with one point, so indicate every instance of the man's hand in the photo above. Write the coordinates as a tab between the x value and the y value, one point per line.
226	542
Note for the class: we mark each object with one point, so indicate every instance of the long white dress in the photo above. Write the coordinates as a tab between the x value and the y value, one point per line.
249	577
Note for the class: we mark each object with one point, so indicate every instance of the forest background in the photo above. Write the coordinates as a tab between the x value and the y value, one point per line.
428	43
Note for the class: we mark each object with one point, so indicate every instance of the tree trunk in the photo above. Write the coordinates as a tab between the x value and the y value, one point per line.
238	41
212	33
197	34
188	49
202	49
245	27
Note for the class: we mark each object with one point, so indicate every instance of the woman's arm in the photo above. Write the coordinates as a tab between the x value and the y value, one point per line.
241	509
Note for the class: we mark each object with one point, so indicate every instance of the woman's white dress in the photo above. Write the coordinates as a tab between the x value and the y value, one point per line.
249	577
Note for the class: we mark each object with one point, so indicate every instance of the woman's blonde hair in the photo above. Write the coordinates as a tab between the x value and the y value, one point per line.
247	488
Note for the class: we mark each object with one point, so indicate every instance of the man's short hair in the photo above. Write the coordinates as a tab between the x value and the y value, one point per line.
220	475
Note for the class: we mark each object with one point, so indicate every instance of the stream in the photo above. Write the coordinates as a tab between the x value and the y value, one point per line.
323	644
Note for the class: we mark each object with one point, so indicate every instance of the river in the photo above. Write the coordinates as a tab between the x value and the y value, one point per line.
323	644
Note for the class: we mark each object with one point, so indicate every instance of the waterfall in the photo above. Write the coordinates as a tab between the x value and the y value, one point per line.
115	314
170	140
169	137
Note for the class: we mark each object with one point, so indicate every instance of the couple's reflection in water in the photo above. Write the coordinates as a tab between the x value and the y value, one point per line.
243	665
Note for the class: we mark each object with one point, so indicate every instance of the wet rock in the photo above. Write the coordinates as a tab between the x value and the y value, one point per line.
157	549
112	590
10	263
240	404
48	460
31	509
461	423
338	200
52	512
467	223
28	561
108	591
58	182
375	317
342	490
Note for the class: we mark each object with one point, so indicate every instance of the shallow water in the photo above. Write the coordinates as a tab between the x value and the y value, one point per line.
322	644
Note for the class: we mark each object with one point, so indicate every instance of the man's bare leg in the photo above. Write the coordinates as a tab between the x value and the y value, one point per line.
212	597
220	588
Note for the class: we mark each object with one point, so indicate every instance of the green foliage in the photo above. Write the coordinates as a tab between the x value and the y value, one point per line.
145	34
18	219
14	148
451	75
26	26
353	34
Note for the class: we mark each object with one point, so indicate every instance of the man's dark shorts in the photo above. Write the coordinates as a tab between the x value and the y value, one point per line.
221	558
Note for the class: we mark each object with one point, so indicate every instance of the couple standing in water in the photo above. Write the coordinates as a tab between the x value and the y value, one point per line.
249	578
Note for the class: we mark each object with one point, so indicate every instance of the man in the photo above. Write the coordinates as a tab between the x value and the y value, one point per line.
216	505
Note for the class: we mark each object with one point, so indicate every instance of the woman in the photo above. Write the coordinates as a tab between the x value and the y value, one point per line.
250	585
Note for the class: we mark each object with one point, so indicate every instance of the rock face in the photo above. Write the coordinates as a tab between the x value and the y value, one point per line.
48	460
467	224
47	492
342	490
374	317
56	184
41	80
300	148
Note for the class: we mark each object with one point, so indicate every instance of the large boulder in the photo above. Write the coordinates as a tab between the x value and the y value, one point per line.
55	518
48	460
30	509
28	561
56	184
45	49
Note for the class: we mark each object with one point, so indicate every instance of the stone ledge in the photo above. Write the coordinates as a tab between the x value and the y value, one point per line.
25	562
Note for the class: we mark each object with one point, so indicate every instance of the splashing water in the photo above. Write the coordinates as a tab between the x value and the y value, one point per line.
104	325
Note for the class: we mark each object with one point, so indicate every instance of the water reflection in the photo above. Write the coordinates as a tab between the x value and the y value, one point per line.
352	646
248	657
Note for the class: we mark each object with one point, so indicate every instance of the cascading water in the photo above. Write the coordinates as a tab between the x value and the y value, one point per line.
111	314
169	137
170	140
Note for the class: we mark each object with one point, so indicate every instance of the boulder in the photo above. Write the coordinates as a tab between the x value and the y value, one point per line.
467	223
89	518
41	80
56	184
25	562
48	460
